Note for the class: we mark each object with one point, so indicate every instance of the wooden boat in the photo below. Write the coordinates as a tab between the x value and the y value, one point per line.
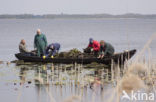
117	58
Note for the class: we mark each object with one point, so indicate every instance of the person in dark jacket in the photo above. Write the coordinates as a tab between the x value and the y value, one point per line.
106	49
40	42
52	49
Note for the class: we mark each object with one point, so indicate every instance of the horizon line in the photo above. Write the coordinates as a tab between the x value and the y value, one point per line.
78	14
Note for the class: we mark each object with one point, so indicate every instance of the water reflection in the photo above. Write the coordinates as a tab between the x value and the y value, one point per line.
37	82
61	82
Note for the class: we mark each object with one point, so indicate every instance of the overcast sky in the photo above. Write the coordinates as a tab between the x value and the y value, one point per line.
77	6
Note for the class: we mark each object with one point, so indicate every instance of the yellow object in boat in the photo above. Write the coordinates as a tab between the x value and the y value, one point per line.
44	57
52	56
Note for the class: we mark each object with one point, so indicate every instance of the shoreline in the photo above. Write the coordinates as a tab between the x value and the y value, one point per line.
78	16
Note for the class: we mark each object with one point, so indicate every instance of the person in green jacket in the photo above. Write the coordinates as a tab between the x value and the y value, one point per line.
40	42
106	49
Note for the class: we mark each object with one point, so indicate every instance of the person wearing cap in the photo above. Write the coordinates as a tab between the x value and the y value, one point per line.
52	49
40	42
106	49
94	45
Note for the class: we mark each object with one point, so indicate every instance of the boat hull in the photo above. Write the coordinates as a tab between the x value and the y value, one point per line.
117	58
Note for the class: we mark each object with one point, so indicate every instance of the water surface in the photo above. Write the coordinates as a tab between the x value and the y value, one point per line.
34	83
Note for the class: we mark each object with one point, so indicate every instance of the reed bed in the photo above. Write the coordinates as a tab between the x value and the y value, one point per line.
97	79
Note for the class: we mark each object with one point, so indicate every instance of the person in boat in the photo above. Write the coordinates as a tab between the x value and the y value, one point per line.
106	49
52	49
94	46
23	47
40	43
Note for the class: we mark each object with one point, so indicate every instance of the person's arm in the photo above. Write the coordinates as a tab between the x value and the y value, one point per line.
47	50
58	48
25	49
45	39
35	42
89	45
20	48
101	53
53	52
106	49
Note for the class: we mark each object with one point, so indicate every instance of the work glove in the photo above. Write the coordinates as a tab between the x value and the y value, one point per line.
44	57
52	57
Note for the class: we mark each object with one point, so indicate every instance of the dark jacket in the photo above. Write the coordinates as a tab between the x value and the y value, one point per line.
108	49
54	50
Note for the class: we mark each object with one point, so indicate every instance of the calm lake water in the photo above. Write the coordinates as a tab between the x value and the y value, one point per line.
74	33
38	83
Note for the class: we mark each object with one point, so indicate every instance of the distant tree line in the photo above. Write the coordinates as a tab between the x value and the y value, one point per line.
57	16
